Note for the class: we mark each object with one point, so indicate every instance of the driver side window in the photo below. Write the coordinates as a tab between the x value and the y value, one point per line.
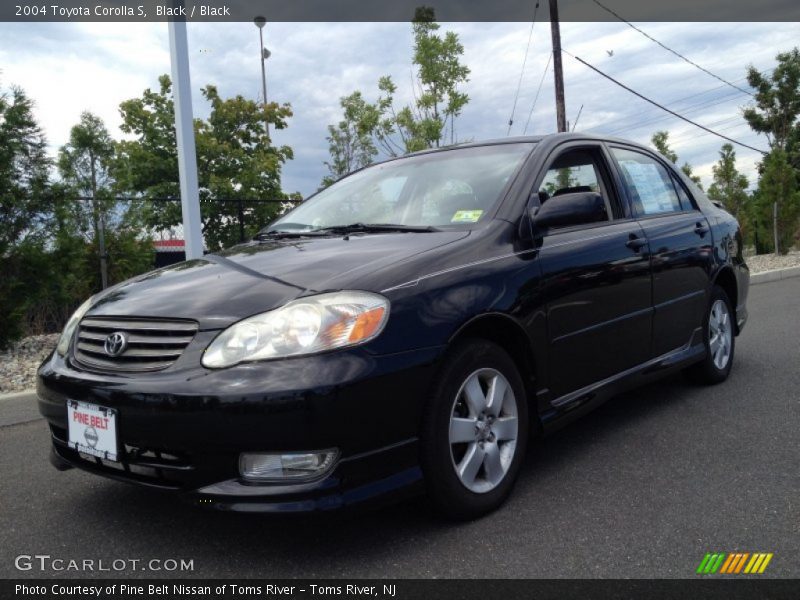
572	172
565	180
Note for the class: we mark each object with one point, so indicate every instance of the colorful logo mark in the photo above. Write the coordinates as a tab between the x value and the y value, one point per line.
734	563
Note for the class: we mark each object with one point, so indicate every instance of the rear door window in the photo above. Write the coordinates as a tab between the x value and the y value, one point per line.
648	183
686	200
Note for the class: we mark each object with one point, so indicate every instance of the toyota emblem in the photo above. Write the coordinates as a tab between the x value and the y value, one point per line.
116	343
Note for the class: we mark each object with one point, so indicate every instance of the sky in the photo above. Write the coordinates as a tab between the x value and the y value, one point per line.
67	68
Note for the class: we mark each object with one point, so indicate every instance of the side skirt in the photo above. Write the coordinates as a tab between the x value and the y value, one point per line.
575	404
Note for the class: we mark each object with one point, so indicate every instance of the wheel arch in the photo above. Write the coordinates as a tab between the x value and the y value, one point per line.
726	279
507	333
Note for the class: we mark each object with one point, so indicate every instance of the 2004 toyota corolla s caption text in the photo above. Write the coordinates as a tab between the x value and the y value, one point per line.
411	326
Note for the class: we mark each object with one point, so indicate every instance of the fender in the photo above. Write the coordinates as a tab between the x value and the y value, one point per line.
525	345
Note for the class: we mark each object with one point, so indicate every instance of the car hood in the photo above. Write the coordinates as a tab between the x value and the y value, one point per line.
259	276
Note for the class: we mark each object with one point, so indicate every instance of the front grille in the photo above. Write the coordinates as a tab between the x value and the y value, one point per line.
152	344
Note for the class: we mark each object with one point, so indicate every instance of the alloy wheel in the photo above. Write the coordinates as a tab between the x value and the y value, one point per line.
720	334
483	430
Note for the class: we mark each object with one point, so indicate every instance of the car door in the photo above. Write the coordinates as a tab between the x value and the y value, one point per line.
595	279
680	246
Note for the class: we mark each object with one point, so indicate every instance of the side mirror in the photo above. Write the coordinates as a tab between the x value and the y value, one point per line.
577	208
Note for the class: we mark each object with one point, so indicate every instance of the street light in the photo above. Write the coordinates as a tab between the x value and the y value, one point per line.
265	54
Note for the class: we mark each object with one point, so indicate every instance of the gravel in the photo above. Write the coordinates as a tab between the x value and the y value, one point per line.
769	262
18	365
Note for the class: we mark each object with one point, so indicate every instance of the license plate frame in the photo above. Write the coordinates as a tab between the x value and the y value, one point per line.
93	429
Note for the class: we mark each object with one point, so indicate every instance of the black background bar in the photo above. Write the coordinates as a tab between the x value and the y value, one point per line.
396	10
704	587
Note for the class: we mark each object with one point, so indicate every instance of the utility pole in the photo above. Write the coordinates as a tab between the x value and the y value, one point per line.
775	225
555	31
265	54
99	225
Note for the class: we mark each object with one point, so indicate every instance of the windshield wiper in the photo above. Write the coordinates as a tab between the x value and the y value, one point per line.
344	229
377	228
283	233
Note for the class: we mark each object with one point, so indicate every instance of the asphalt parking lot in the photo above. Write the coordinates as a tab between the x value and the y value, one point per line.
643	488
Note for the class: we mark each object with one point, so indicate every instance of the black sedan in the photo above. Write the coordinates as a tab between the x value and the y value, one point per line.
410	327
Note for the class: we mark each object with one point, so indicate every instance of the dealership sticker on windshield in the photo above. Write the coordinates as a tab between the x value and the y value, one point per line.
466	216
92	429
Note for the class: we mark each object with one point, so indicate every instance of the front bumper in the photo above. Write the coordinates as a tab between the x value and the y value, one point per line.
183	430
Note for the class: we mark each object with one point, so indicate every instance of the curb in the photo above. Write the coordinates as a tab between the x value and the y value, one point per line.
19	408
774	275
24	395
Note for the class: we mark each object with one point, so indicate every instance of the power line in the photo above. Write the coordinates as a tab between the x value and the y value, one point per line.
684	138
662	107
539	89
649	118
668	49
724	99
717	123
686	110
522	71
575	124
728	97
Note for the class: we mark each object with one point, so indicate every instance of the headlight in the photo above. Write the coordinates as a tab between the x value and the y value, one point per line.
69	329
303	326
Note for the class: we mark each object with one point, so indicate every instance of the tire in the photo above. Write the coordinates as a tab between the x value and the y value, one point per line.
488	446
720	340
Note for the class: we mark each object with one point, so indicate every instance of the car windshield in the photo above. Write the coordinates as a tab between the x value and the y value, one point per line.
456	187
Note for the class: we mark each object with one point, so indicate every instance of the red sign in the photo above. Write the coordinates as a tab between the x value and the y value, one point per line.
90	420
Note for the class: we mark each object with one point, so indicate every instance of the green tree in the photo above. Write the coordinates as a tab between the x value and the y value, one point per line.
730	189
729	186
23	170
84	164
24	208
438	100
236	161
87	209
777	103
350	142
775	113
778	186
660	141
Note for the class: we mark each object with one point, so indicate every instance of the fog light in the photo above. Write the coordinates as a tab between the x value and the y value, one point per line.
288	466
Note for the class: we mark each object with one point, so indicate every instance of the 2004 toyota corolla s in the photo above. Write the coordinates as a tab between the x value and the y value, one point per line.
411	326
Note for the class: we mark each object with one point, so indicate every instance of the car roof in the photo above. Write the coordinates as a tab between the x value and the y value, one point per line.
552	139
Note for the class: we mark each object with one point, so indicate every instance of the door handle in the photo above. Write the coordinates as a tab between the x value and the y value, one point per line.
700	229
635	243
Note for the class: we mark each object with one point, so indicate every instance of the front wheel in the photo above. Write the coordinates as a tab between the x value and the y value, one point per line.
720	341
475	431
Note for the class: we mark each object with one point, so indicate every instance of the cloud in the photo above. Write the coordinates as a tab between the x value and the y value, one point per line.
70	67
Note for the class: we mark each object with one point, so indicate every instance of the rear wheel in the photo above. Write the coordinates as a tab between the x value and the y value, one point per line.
719	339
475	431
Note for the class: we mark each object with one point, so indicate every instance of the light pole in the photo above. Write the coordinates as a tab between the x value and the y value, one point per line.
265	54
184	130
